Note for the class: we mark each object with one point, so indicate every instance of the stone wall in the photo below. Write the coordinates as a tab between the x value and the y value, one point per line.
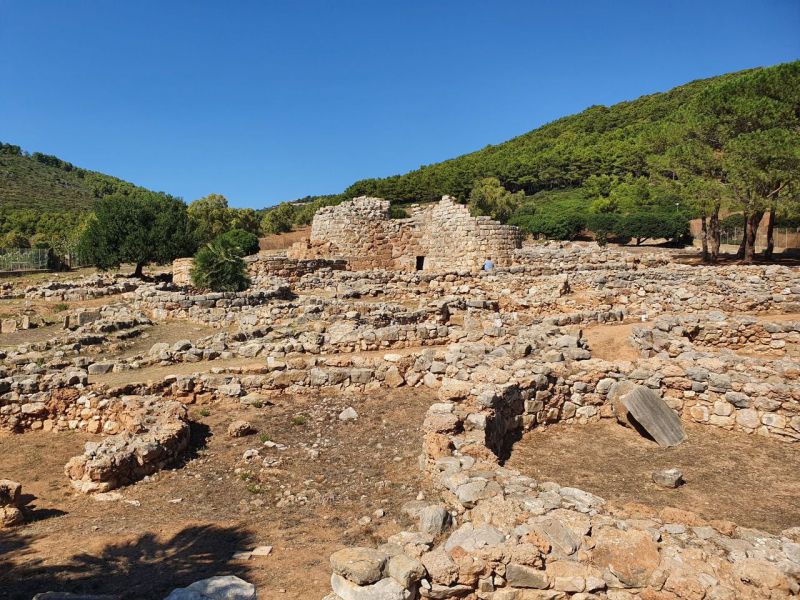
261	265
182	271
501	535
441	237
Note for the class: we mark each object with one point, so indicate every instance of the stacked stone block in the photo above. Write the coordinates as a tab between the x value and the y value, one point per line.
443	237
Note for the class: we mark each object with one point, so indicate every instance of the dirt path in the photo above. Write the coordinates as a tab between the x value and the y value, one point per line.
154	542
727	473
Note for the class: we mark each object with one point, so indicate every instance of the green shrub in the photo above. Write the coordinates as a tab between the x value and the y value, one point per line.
279	219
246	241
397	212
15	239
602	225
554	225
219	267
653	225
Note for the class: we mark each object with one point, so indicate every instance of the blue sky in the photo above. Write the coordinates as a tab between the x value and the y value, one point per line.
267	101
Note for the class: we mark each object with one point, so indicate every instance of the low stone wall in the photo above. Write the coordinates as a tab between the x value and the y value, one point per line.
673	335
214	308
156	433
501	535
260	265
96	286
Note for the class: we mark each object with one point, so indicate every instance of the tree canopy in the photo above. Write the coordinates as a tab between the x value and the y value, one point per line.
143	228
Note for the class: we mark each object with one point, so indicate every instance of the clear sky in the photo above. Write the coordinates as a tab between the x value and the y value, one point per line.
266	101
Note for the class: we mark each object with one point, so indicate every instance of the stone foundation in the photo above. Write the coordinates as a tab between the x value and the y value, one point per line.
155	434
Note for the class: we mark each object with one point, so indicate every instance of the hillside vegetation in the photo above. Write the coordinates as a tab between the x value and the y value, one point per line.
46	199
636	169
45	183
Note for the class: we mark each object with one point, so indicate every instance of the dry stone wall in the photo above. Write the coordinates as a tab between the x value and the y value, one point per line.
441	237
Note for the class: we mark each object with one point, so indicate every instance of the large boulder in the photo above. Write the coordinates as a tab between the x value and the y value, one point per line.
640	407
226	587
628	558
359	565
10	503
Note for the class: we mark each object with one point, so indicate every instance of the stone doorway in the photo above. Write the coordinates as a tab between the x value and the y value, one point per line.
420	263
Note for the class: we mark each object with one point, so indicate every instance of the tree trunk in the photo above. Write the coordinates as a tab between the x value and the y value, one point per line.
715	233
704	226
751	230
770	234
139	268
740	251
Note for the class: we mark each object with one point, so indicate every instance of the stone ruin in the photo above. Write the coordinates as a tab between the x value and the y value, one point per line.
504	352
438	237
155	434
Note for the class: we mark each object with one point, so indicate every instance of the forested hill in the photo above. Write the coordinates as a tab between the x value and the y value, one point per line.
46	184
600	140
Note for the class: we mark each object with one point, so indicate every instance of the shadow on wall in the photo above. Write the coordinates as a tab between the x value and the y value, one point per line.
143	568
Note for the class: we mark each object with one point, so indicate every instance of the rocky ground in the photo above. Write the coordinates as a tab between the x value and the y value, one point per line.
317	484
470	420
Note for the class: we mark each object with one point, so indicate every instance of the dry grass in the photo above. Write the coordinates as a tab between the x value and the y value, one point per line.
281	241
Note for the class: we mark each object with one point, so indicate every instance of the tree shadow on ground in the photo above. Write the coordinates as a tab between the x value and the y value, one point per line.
143	568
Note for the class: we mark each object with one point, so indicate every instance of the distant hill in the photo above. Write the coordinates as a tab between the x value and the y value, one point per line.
44	183
601	140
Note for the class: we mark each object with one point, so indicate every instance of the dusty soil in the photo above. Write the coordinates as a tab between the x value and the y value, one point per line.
152	543
611	342
726	473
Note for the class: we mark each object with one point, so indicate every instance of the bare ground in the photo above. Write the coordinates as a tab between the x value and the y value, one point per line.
75	543
729	475
611	342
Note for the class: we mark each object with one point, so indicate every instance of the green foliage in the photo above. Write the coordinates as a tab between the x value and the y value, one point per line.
397	212
246	219
15	239
279	219
603	224
559	215
218	266
489	197
652	225
46	184
286	216
244	240
142	228
727	140
209	217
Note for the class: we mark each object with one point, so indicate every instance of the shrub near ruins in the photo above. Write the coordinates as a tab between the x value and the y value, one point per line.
219	266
